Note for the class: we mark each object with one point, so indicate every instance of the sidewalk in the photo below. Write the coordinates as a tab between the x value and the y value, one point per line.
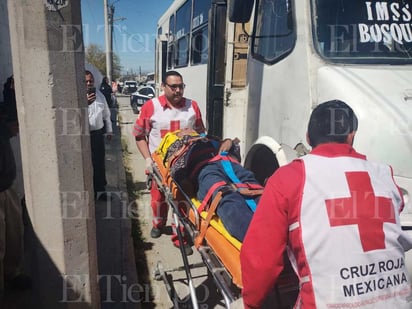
116	262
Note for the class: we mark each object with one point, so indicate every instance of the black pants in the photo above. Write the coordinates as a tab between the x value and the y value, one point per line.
98	160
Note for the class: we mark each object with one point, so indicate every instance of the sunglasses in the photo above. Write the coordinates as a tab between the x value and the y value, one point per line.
174	87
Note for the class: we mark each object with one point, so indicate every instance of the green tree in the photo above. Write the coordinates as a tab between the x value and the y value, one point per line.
96	56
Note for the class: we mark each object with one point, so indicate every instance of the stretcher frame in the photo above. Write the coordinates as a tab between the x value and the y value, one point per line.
225	273
221	276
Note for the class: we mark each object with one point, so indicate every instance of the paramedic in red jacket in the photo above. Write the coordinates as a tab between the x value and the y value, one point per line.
338	215
167	113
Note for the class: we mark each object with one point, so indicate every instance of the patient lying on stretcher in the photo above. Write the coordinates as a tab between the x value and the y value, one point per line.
205	166
235	209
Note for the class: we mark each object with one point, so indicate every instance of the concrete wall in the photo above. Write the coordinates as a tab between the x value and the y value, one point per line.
48	66
6	69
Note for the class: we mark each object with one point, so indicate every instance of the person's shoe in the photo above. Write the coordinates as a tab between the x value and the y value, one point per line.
20	282
155	232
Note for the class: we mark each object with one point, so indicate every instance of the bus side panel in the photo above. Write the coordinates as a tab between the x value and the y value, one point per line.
285	89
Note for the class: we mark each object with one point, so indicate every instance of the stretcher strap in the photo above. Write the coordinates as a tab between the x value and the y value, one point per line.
249	189
205	223
249	192
248	185
223	156
209	195
227	166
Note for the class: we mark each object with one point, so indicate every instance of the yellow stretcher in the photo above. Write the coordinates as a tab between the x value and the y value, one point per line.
220	251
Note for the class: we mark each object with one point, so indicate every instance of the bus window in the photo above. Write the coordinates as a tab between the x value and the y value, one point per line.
171	33
170	56
355	31
182	54
199	46
200	12
274	35
182	32
170	40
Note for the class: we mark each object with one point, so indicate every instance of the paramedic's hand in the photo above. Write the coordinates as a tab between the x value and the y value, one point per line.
149	167
149	173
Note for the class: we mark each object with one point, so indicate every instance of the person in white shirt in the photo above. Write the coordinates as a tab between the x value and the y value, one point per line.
99	124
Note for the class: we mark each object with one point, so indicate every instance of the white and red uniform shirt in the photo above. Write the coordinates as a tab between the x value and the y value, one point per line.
157	118
338	214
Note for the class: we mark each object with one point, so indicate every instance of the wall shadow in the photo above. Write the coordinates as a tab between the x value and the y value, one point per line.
49	289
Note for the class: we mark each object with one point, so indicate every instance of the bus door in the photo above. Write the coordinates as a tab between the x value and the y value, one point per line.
160	64
216	67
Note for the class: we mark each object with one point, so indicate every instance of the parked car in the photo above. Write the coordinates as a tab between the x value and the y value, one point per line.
129	87
138	98
120	87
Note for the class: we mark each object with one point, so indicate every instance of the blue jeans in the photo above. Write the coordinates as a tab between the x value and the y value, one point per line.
232	210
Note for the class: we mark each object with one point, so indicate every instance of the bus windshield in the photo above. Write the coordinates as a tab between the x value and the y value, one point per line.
354	31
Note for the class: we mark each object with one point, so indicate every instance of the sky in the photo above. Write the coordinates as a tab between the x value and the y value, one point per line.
135	23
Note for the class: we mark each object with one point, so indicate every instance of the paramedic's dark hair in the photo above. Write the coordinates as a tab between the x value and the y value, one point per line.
170	73
331	122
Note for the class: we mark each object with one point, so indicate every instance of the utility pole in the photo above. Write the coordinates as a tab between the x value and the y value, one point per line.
108	19
140	73
111	21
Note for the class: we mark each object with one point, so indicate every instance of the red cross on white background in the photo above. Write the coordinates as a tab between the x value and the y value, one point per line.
174	125
364	209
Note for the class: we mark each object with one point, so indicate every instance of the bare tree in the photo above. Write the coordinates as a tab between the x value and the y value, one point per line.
96	56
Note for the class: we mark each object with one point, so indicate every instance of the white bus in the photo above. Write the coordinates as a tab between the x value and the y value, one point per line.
258	68
185	24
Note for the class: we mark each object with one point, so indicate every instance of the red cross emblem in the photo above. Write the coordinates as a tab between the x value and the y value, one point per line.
174	125
364	209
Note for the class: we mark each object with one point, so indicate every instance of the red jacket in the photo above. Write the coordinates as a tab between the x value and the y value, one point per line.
273	228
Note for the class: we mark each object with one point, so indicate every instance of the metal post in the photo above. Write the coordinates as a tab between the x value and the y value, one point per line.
108	29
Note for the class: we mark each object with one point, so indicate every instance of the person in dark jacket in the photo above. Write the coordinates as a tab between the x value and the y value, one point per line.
9	96
11	213
107	91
